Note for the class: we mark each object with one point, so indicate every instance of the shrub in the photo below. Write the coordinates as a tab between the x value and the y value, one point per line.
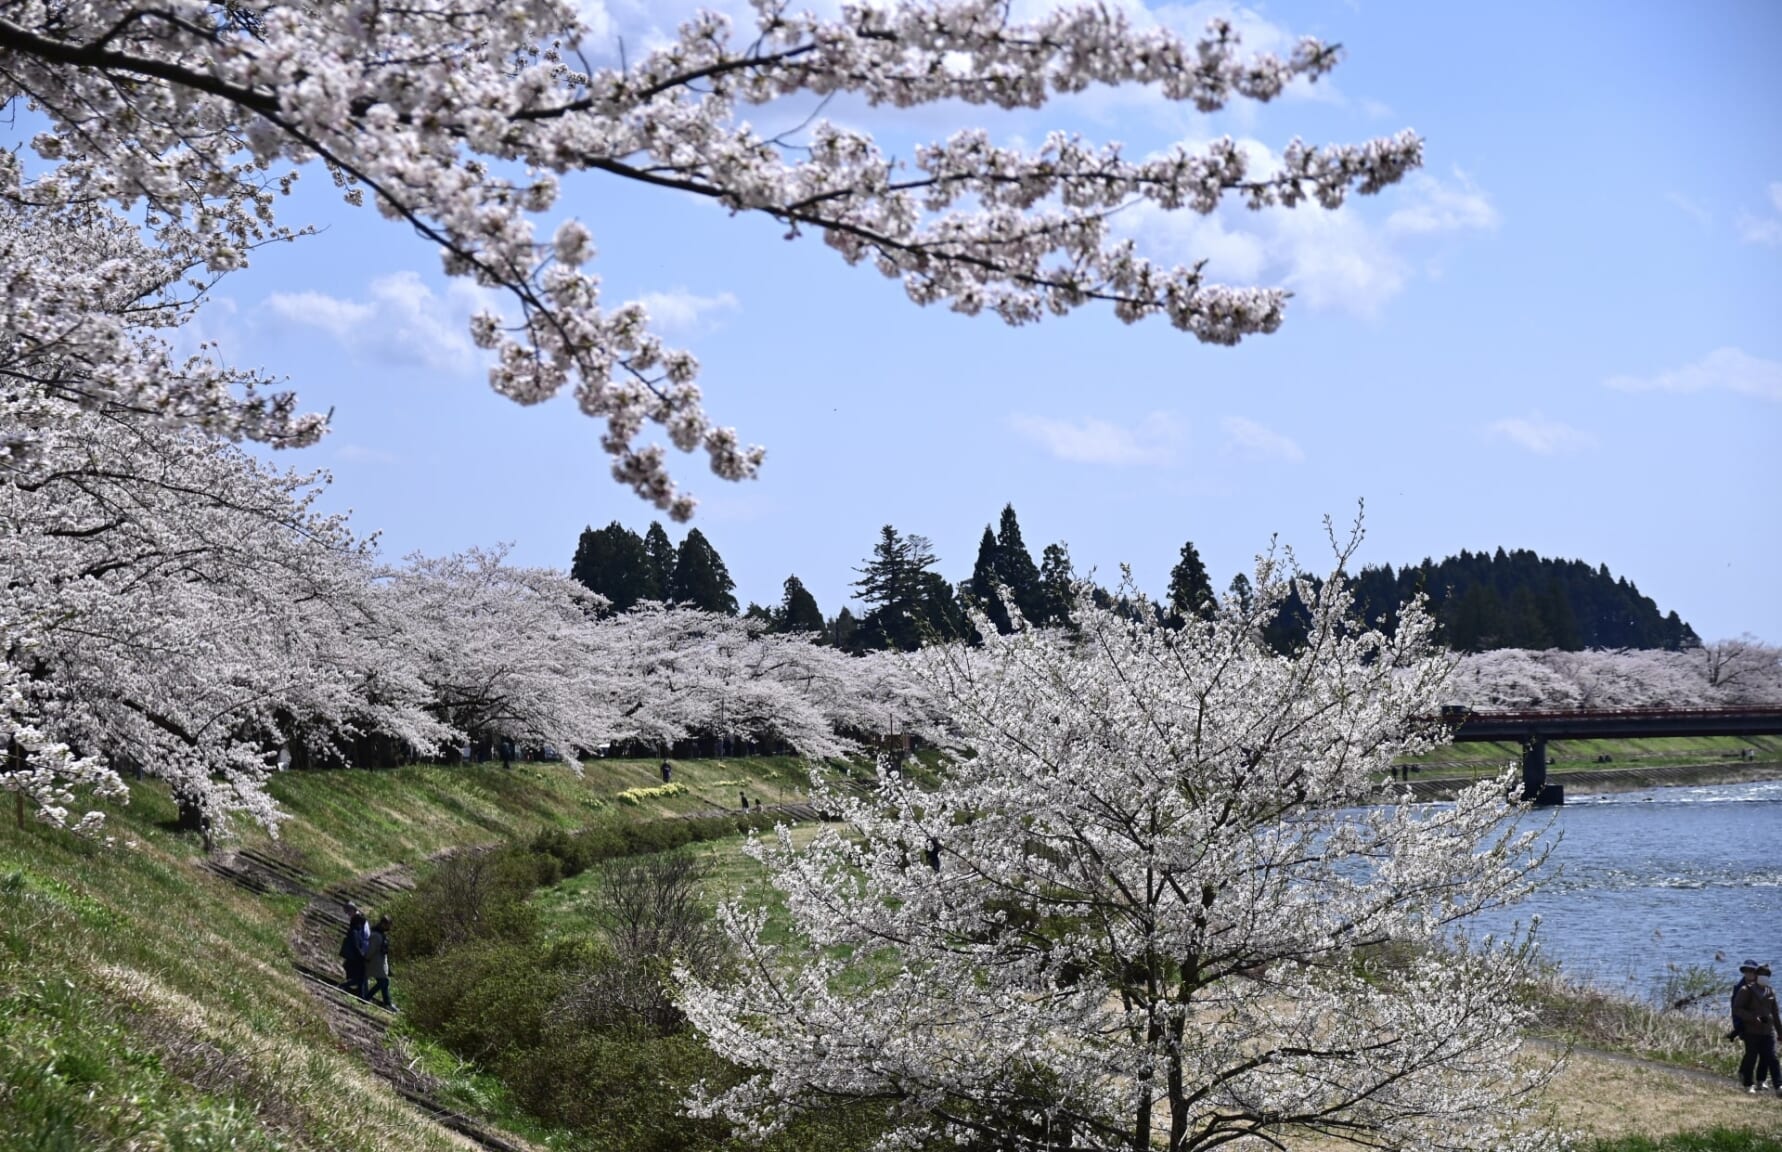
570	852
470	897
486	1000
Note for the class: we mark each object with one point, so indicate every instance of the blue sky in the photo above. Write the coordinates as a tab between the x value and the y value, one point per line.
1565	334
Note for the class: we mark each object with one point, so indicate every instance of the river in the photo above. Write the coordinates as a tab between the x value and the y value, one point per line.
1669	876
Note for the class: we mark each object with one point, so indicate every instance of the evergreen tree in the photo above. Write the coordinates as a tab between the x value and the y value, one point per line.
1015	568
700	578
798	609
982	587
910	602
1240	590
1190	592
611	562
1057	584
759	612
1517	599
659	563
842	630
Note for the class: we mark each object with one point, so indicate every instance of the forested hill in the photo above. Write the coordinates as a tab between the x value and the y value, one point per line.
1482	600
1520	600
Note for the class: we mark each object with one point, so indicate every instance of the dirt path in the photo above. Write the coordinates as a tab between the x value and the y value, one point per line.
357	1025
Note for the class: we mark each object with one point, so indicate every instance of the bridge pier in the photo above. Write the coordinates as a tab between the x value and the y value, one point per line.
1534	773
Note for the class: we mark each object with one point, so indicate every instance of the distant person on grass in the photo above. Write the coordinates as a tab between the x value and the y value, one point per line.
377	962
353	947
1759	1024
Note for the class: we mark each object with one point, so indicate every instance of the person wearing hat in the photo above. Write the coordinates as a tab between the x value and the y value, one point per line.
1747	975
1759	1024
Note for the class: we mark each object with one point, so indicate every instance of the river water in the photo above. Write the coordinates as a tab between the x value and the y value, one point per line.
1667	876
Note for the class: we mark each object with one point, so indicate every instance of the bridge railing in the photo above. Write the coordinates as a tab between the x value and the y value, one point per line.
1461	715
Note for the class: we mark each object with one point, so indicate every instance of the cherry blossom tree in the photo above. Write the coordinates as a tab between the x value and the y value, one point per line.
672	674
457	118
1146	906
172	604
503	650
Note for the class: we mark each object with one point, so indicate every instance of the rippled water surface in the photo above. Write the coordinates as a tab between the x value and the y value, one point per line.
1666	876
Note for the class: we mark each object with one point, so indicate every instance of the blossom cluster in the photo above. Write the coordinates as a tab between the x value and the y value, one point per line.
457	118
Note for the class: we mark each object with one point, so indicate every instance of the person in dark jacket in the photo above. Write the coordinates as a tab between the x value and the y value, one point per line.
353	947
1759	1023
377	962
1747	975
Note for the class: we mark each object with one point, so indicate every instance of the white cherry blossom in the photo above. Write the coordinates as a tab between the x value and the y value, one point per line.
457	119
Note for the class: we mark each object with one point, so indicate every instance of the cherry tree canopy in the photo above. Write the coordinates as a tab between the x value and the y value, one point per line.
458	116
170	603
1719	675
1143	910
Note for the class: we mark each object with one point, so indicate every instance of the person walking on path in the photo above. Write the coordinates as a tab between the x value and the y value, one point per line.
1759	1023
353	947
377	962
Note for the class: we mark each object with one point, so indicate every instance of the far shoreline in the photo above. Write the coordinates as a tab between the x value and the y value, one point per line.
1605	781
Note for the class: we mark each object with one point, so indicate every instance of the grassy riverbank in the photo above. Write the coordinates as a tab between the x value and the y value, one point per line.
1565	756
146	1004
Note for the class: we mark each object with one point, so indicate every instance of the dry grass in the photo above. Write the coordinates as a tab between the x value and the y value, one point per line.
1603	1098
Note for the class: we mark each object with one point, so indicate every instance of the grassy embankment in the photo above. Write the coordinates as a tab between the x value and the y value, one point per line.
145	1004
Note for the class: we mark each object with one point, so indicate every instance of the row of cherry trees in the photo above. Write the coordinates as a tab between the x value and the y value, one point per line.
174	606
1724	674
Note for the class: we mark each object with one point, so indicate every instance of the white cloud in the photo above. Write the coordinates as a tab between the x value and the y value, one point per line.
1094	441
1722	370
679	310
1236	257
1331	260
1437	207
1539	435
360	454
1690	208
402	320
1765	230
339	318
1254	441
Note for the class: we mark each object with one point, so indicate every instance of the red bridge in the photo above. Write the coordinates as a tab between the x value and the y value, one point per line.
1533	728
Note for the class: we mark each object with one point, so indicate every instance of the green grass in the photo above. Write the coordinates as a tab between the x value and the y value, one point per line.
1459	761
1713	1140
347	823
147	1005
